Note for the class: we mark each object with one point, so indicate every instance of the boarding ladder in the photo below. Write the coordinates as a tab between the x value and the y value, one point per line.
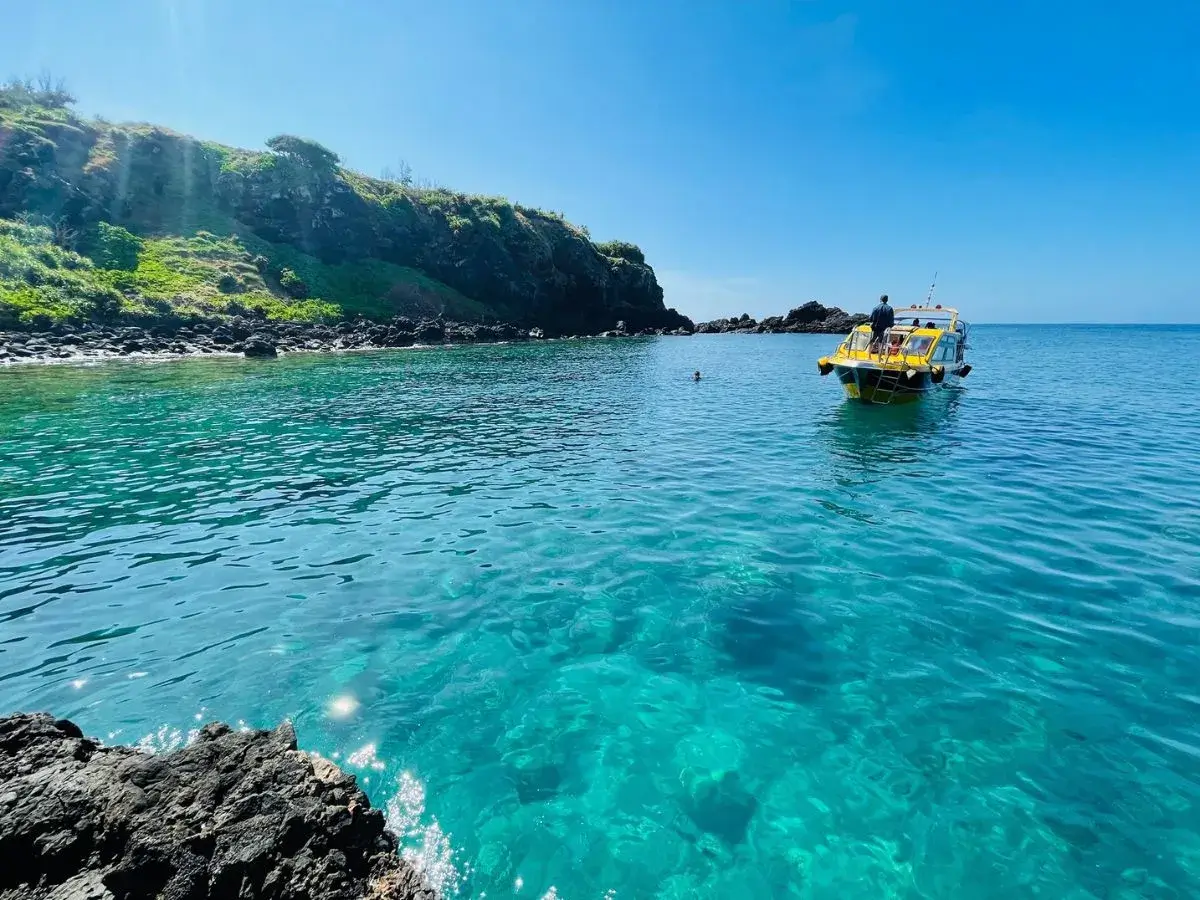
889	381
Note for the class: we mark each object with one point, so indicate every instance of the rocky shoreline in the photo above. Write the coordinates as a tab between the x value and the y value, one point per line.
257	338
811	318
234	814
265	339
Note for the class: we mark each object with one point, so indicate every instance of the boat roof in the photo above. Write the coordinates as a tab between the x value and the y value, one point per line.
945	313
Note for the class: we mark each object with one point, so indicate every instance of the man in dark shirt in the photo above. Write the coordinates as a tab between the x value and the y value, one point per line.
883	317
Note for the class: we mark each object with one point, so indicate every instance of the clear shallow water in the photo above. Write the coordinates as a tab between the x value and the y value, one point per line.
579	622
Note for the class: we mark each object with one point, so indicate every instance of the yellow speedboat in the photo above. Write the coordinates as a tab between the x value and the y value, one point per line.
921	353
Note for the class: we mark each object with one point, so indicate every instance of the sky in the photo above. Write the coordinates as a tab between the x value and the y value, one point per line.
1042	157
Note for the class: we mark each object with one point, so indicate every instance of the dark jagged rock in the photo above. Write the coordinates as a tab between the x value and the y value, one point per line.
810	312
431	332
269	339
811	318
259	347
235	814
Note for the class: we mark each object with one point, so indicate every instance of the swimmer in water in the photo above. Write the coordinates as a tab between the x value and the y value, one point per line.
696	376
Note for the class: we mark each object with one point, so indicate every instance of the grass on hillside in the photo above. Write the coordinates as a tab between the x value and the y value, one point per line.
205	275
40	279
370	288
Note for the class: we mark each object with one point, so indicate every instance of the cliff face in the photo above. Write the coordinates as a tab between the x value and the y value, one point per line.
235	814
290	227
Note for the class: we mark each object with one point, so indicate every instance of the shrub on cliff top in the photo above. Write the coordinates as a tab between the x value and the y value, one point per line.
44	91
402	174
310	153
623	250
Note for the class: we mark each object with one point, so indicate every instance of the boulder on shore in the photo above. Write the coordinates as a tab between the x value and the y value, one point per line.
258	346
811	318
234	814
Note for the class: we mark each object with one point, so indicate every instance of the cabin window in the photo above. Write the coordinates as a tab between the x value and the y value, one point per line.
918	345
859	341
947	348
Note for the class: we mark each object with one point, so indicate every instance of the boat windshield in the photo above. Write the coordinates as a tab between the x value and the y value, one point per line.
918	345
859	340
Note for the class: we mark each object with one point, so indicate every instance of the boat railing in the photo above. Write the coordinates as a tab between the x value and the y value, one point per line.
892	347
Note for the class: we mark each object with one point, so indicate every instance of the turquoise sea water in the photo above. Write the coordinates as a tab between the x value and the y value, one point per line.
582	624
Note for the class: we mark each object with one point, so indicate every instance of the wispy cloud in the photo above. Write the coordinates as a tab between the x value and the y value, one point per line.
830	71
827	39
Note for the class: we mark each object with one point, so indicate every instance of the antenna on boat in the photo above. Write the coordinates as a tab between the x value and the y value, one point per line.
932	285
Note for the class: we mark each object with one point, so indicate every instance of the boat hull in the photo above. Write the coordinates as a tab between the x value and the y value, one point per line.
870	384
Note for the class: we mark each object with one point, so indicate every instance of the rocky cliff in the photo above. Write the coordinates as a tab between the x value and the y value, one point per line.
136	223
235	814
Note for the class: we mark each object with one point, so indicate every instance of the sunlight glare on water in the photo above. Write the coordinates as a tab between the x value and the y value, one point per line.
585	628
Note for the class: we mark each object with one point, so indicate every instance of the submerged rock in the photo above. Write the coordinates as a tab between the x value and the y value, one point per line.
235	814
720	805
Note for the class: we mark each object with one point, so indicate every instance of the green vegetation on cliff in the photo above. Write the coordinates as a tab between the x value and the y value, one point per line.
199	276
138	223
40	280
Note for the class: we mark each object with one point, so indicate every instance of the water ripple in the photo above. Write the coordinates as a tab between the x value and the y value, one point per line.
586	628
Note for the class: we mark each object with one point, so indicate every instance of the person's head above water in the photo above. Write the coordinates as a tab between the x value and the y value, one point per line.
696	376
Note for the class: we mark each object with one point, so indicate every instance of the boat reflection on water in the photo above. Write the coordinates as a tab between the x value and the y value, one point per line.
868	443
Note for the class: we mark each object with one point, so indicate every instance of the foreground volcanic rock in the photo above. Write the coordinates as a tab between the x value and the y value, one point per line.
233	815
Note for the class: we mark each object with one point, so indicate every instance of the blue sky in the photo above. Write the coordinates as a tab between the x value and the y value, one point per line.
1044	157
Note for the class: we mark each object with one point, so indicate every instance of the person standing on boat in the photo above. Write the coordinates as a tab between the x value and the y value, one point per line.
883	317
